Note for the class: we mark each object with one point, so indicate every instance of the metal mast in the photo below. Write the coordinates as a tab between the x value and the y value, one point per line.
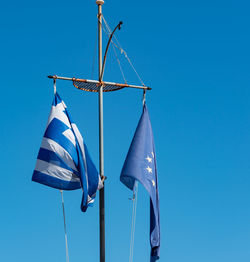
101	153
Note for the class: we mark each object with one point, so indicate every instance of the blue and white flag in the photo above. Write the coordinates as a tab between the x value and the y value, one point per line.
63	160
140	165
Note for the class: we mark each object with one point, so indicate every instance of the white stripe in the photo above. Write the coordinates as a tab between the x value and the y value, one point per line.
57	112
59	150
55	171
78	136
90	200
81	144
70	135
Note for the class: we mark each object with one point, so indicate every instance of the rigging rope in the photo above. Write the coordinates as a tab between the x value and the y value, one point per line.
113	46
132	237
118	61
65	231
118	46
134	208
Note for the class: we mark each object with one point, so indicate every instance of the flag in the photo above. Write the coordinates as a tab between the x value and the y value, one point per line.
63	161
140	165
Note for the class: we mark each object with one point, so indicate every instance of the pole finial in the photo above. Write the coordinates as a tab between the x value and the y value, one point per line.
99	2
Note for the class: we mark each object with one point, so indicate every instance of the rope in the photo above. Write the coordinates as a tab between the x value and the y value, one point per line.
118	45
105	22
133	67
144	97
65	231
132	237
54	86
118	61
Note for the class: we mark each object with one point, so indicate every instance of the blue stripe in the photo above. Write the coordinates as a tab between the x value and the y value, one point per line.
52	157
69	117
55	132
83	178
54	182
57	100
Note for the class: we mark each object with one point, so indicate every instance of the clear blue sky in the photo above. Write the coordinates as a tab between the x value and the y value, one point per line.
196	57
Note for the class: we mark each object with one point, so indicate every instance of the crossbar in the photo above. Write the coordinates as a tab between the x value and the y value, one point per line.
98	83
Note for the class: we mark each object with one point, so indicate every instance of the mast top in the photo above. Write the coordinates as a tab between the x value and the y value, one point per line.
99	2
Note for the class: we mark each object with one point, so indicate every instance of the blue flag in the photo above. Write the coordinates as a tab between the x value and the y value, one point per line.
140	164
63	161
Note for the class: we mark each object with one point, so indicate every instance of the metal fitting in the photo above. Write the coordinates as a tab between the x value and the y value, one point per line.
99	2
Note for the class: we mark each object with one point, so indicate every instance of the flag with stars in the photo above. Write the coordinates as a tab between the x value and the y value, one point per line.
140	165
63	161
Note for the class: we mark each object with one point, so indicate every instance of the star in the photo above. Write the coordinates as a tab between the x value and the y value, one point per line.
152	153
149	159
149	169
153	182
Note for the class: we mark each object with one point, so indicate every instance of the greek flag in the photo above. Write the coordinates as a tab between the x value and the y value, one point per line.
63	160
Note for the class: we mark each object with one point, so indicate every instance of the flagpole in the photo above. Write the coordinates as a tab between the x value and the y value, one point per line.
101	153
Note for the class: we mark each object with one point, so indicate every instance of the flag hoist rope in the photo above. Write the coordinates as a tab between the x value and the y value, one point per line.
63	209
65	231
134	208
54	86
132	236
